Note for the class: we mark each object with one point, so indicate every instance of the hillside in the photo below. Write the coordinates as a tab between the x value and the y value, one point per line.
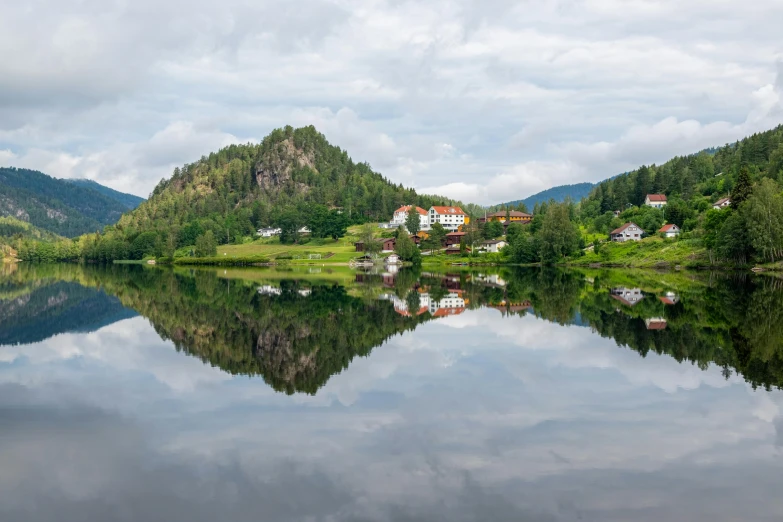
710	173
11	228
129	201
55	205
291	175
576	192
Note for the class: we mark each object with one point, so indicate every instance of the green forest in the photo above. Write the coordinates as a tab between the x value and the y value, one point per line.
292	179
58	206
295	180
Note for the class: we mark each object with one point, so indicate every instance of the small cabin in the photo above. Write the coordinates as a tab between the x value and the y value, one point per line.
393	259
721	204
670	230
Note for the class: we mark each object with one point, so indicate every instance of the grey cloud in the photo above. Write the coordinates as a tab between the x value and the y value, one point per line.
110	78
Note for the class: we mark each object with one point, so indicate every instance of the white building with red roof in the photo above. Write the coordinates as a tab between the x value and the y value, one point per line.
451	218
670	230
401	214
655	200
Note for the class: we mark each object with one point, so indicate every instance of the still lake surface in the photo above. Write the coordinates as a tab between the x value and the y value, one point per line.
136	393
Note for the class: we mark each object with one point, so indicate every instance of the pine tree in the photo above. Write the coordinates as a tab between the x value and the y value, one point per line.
743	189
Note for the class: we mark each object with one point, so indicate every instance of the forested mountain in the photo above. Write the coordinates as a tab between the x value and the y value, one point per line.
709	173
576	192
13	228
291	176
242	187
67	209
129	201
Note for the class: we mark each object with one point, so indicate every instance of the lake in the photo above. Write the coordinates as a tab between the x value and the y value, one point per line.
141	393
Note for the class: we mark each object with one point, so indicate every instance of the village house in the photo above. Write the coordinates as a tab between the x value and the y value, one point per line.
670	230
669	299
452	303
269	232
514	216
455	250
392	259
269	290
627	296
655	200
655	323
401	305
450	218
493	246
509	308
721	204
627	232
387	244
401	214
454	238
418	238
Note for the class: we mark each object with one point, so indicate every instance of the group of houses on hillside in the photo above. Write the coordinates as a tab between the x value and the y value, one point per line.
632	232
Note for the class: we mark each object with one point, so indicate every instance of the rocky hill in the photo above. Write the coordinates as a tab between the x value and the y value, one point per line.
243	187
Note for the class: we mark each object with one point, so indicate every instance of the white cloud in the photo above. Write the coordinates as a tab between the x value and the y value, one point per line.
484	101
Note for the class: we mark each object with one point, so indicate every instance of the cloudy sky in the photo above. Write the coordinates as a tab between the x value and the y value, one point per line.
480	100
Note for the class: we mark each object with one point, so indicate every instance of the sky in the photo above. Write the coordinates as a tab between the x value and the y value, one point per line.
483	101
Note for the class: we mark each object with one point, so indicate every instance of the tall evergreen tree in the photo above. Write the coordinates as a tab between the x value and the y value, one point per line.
743	189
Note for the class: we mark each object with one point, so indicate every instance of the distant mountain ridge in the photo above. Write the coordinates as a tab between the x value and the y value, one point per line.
130	201
559	193
59	206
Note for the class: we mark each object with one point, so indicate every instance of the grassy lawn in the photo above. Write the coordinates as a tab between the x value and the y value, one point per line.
339	252
649	252
312	274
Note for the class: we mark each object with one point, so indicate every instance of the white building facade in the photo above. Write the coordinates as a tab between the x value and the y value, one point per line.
451	218
401	215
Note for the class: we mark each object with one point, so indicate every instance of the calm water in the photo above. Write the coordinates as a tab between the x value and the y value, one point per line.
130	393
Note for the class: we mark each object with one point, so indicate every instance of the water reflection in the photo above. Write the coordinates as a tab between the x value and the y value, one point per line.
521	407
296	331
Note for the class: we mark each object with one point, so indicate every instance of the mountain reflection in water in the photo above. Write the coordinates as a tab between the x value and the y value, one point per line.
144	393
297	331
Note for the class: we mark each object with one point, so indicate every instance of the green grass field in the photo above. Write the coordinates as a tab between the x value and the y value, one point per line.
331	251
650	252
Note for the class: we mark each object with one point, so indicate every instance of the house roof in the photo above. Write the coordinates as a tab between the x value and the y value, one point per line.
492	242
454	234
721	201
511	213
455	211
656	197
656	324
406	208
622	228
671	227
444	312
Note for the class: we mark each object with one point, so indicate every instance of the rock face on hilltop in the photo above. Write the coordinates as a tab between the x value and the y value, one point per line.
275	168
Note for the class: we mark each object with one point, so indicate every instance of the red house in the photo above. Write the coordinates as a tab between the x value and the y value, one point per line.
454	238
